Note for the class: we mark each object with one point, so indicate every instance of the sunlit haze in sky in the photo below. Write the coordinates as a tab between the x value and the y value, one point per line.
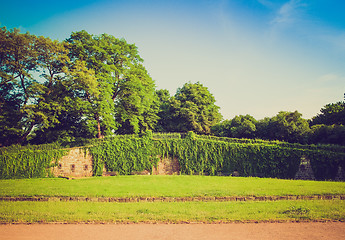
256	57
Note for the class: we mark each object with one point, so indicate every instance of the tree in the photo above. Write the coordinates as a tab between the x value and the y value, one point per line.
333	113
137	105
18	61
124	104
166	112
10	117
222	129
285	126
327	134
239	127
30	68
194	109
328	126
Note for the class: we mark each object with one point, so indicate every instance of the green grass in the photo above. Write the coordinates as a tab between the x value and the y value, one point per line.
174	212
167	186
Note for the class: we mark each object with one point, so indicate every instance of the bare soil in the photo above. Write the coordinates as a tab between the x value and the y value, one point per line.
262	231
176	199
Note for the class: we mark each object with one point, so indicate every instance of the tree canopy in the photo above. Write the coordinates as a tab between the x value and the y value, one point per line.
96	85
31	69
239	127
333	113
191	109
87	85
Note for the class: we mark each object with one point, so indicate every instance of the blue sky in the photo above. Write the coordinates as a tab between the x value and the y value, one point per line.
257	57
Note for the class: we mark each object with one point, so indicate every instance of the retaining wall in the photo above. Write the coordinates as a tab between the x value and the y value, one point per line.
78	163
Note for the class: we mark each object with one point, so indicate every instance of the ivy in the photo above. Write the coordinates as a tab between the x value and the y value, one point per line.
128	154
211	156
29	161
124	155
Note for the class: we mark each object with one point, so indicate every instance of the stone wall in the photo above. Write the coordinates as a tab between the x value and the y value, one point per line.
340	174
76	163
305	171
167	166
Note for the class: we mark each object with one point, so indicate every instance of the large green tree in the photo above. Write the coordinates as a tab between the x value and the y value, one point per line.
333	113
126	90
285	126
31	68
329	126
191	109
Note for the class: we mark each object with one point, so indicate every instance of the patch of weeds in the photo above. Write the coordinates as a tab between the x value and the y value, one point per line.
143	211
297	212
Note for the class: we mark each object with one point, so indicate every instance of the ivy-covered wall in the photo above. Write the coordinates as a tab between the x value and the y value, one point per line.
196	155
30	161
211	156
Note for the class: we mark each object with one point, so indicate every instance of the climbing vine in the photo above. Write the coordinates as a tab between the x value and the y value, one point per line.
211	156
204	155
29	161
124	154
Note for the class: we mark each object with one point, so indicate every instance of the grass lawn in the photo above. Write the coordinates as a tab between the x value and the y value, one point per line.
173	212
167	186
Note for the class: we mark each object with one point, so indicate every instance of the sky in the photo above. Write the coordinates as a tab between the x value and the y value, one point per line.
256	57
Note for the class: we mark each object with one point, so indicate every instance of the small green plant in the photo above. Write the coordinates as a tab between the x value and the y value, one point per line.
298	212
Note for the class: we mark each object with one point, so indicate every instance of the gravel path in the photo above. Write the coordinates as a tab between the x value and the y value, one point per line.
262	231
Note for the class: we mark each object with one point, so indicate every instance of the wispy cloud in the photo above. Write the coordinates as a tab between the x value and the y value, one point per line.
266	3
288	13
331	78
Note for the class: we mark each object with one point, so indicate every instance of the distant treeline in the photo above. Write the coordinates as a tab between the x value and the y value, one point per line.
326	128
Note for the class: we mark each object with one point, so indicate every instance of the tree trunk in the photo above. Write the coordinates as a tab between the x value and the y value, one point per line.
99	134
26	133
99	131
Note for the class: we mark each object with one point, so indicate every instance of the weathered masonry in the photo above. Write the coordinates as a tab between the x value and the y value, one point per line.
78	163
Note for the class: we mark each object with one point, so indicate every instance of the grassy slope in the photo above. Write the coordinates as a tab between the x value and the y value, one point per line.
169	186
166	186
172	212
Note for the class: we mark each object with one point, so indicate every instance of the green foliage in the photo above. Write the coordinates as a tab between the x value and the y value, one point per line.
124	154
191	109
202	156
30	161
122	100
285	126
239	127
327	134
159	135
197	154
333	113
206	155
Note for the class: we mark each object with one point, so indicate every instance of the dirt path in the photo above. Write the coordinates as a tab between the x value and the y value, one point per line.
262	231
176	199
